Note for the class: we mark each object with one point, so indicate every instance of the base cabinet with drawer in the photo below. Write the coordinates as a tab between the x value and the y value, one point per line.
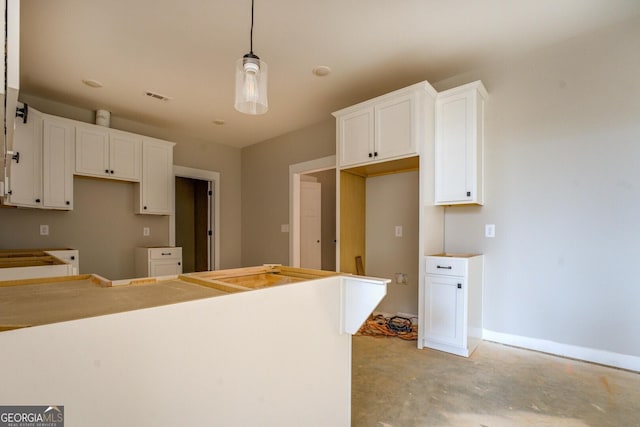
452	320
158	261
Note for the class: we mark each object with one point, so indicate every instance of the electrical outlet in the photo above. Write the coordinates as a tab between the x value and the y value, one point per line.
44	230
401	278
398	231
489	230
146	231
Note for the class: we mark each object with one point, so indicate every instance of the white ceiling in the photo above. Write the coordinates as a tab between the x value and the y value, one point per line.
186	50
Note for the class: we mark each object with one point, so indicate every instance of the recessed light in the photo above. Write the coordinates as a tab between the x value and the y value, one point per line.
219	122
321	71
92	83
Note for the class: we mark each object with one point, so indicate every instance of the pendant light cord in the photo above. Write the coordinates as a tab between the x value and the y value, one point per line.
251	34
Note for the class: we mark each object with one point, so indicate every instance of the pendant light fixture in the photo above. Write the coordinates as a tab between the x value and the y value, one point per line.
251	81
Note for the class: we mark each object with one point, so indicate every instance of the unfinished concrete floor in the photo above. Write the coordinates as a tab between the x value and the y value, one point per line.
397	385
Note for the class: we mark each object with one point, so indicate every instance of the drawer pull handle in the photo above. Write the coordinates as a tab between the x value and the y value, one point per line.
166	253
448	267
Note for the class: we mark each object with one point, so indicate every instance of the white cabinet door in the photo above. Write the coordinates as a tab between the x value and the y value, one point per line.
25	173
164	268
156	187
356	136
124	156
444	310
58	146
395	127
92	151
459	145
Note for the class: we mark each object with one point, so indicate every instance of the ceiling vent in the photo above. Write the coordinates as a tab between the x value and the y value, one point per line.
157	96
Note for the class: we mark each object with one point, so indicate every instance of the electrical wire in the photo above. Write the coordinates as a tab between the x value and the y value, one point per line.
395	326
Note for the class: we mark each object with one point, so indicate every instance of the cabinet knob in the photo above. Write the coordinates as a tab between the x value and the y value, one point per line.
468	193
68	203
73	257
106	171
37	200
179	263
145	208
375	154
459	285
370	155
111	172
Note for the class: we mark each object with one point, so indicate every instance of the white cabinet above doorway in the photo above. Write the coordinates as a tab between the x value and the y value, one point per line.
388	127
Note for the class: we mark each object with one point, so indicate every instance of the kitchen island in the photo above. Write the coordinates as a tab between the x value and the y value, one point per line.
263	346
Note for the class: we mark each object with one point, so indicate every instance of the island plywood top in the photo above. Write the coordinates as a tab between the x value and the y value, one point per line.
81	296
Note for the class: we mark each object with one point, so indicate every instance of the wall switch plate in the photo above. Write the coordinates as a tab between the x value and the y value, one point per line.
489	230
284	228
146	231
398	231
44	230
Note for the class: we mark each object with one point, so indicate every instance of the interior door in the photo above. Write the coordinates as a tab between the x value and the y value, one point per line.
310	225
193	225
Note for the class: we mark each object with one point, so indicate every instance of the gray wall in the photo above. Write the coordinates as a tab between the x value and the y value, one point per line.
265	189
102	225
393	200
563	188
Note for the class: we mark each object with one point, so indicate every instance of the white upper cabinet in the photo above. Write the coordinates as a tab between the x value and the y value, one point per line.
58	137
25	170
459	145
107	153
384	128
156	189
41	174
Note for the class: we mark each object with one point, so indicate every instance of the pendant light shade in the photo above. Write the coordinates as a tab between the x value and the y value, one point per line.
251	85
251	81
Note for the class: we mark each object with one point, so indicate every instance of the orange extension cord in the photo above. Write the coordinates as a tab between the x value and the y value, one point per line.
380	326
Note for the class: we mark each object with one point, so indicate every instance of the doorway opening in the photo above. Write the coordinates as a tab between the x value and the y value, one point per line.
312	213
195	223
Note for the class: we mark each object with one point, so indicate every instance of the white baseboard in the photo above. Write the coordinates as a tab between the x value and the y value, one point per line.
602	357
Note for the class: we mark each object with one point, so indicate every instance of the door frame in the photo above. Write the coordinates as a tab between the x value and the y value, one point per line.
214	181
295	171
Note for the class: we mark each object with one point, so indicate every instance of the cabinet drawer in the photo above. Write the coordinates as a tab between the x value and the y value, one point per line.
447	266
165	253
